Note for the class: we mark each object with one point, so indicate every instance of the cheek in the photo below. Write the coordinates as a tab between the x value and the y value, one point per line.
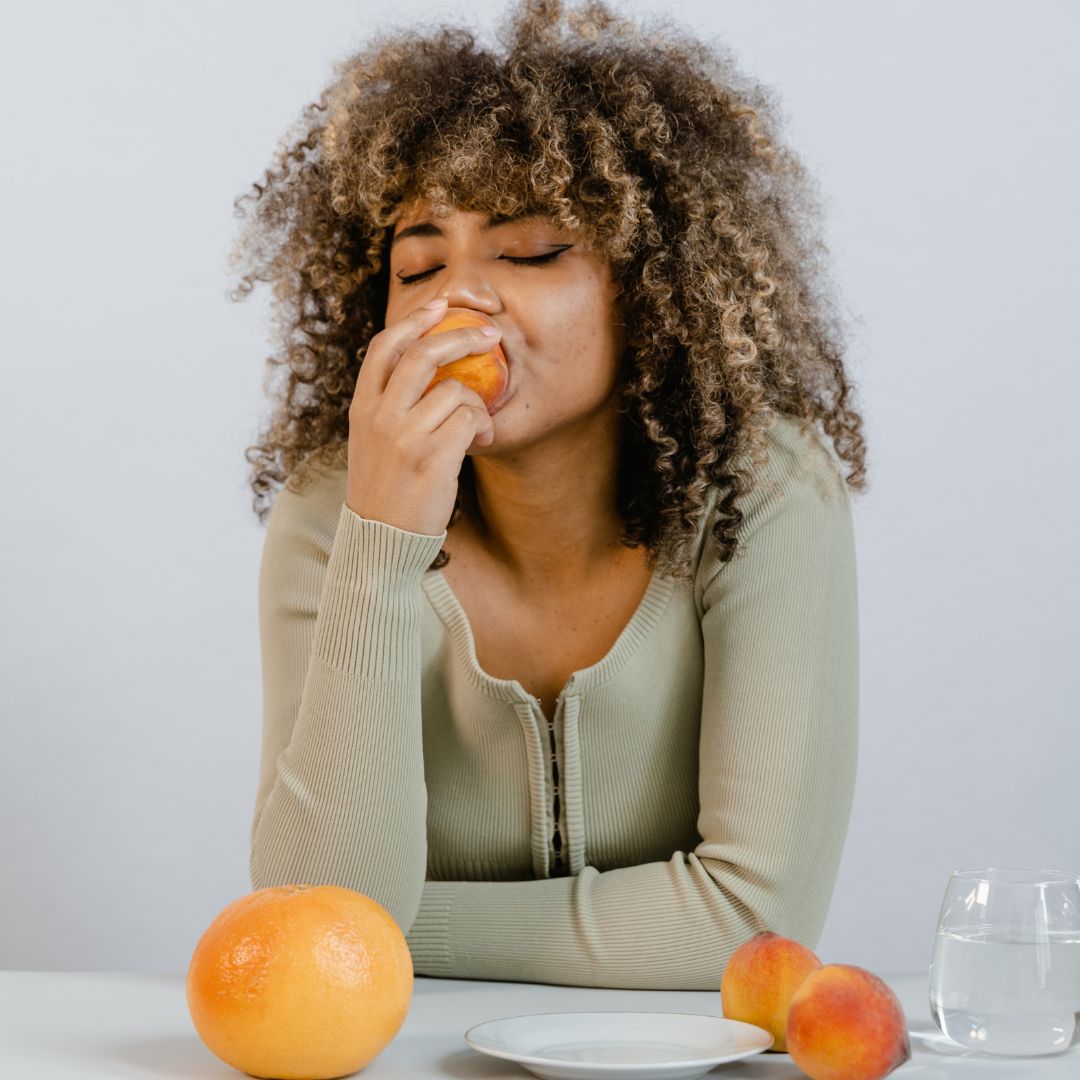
592	346
578	368
578	327
396	308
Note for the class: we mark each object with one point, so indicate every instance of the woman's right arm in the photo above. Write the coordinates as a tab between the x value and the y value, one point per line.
341	795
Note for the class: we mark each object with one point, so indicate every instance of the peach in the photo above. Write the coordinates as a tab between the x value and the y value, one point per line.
846	1024
486	373
760	978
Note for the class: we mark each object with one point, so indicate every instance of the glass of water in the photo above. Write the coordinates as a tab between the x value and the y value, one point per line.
1005	972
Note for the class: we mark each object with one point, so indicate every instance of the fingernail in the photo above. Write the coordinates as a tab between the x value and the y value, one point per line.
433	304
491	331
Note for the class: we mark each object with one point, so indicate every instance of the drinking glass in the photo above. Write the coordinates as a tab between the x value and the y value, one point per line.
1005	971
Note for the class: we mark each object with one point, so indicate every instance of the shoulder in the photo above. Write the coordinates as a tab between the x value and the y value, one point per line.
304	517
800	455
801	477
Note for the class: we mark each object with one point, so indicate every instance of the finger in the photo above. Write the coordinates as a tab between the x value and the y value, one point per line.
413	374
386	347
456	434
440	402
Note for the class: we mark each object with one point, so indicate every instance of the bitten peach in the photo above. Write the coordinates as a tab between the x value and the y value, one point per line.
486	373
846	1024
760	978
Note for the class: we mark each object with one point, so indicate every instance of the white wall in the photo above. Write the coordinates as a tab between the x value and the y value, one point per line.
944	138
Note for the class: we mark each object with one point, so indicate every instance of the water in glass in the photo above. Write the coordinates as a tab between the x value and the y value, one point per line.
1005	972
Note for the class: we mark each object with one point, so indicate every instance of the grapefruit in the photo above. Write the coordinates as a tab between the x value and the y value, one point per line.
300	982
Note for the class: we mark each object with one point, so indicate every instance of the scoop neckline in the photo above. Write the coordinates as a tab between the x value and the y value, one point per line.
645	616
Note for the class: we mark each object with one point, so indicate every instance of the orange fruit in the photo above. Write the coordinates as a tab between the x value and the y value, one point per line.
300	982
486	373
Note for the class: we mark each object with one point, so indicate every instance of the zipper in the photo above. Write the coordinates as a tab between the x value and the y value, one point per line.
555	844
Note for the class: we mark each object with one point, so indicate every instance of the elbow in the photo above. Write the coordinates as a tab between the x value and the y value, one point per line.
799	913
397	892
792	902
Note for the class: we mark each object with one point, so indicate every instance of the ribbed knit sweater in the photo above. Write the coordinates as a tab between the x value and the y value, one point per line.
698	778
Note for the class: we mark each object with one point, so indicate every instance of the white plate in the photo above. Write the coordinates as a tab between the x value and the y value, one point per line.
618	1045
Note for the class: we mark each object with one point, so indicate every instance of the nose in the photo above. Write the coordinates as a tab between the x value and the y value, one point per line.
465	285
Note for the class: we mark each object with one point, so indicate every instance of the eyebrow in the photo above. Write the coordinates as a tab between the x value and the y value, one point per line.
428	228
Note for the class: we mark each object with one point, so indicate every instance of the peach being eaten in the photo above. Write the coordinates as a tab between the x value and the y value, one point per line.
487	372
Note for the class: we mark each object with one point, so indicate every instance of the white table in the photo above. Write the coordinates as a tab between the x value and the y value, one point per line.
68	1025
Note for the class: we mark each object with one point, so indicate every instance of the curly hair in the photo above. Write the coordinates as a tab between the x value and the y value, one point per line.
659	150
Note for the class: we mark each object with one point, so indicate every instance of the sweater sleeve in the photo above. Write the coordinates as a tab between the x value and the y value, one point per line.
341	797
777	757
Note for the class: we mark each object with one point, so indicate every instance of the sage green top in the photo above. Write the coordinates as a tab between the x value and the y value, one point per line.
697	780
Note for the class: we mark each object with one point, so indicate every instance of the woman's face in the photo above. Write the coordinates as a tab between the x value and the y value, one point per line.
563	331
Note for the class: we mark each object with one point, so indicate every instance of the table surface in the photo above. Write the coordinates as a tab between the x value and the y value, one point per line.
66	1025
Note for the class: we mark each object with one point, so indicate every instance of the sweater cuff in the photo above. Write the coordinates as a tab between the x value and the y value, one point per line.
429	936
366	548
370	607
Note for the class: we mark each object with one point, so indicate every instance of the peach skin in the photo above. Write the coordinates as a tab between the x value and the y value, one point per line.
846	1024
486	373
760	979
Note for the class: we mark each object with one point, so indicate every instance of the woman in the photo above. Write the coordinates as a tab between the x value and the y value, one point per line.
569	685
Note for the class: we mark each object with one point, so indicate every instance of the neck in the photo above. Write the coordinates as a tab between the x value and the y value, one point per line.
547	515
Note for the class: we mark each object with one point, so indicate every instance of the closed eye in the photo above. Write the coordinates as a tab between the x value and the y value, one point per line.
531	261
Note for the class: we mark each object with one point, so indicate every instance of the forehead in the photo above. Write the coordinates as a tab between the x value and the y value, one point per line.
419	221
421	209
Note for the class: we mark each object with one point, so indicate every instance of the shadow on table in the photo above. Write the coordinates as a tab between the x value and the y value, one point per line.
167	1057
472	1065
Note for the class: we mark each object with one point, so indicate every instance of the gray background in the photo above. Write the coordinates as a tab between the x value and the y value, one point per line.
944	138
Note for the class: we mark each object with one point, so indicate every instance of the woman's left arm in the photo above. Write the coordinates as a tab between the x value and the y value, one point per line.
778	751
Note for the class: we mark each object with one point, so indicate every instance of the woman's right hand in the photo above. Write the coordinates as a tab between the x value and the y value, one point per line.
406	447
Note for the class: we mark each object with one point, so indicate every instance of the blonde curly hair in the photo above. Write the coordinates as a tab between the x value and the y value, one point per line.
659	150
